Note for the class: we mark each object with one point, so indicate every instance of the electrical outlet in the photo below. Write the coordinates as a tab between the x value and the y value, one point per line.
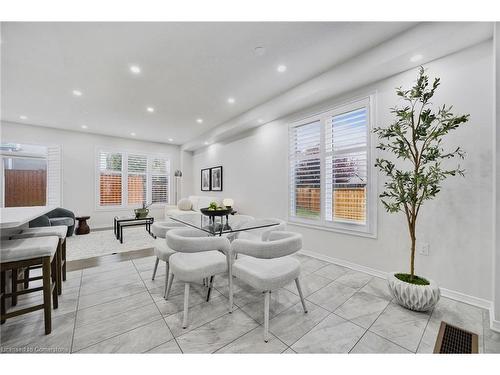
424	249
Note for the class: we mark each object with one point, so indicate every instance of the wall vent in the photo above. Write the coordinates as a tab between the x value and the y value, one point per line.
454	340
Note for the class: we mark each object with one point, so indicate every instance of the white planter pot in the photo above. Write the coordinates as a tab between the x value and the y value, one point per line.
411	296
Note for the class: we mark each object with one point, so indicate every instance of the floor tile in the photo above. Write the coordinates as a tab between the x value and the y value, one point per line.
253	342
333	335
104	277
109	267
88	288
401	326
354	279
378	287
374	344
289	351
97	313
31	338
110	294
138	340
93	333
281	300
293	323
169	347
332	296
242	292
362	309
311	265
216	334
175	303
198	315
332	271
309	284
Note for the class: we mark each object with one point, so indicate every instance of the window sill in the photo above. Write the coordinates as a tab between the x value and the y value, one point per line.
331	229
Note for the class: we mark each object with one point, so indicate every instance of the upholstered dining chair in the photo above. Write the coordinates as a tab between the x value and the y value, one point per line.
262	234
267	266
197	256
161	249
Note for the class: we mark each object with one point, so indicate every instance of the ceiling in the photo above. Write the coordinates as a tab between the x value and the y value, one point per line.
188	71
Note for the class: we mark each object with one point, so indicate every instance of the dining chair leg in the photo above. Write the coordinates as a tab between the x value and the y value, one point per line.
47	308
2	295
186	305
53	275
210	286
170	281
26	277
230	283
64	260
59	268
156	267
297	283
13	285
167	269
267	296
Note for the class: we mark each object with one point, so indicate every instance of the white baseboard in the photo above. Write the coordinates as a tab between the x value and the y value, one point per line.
448	293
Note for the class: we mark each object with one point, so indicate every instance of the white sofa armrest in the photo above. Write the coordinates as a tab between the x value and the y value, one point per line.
170	208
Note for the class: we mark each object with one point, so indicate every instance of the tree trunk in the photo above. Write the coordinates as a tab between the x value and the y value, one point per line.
412	255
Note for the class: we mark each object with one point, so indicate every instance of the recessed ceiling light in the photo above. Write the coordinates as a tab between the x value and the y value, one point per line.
199	120
260	121
281	68
206	143
230	100
84	126
23	117
150	109
259	51
135	69
132	134
77	93
416	58
170	139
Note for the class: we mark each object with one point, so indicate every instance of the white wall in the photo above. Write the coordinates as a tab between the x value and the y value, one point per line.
457	225
78	159
496	214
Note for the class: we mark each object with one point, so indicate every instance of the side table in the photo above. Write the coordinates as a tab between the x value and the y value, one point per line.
83	227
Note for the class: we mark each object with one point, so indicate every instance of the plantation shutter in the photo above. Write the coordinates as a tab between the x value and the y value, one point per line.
305	171
136	178
346	142
54	180
160	178
110	179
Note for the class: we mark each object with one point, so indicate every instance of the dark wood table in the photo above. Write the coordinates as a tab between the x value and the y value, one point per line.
83	227
120	222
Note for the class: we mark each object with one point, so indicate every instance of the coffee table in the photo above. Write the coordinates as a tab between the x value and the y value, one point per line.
120	222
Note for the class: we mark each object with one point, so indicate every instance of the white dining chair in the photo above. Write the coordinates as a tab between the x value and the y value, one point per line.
197	256
161	249
262	234
267	266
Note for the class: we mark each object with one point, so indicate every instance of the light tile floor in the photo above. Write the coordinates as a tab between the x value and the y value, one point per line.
117	308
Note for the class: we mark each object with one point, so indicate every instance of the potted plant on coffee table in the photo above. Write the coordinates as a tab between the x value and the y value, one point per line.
414	174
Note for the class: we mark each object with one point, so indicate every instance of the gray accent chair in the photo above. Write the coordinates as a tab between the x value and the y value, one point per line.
58	216
198	256
267	266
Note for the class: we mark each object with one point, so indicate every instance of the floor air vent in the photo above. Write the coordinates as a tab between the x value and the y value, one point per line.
454	340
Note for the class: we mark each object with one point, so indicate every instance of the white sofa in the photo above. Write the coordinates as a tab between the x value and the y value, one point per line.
197	202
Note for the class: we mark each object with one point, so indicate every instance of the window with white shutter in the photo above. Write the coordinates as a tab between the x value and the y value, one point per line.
331	183
131	179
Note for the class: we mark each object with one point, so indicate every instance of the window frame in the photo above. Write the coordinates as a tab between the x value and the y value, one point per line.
370	228
125	173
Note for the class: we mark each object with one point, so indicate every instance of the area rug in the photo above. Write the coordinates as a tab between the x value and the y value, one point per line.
104	242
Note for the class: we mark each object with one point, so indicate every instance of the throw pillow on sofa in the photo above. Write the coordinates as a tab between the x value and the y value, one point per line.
184	204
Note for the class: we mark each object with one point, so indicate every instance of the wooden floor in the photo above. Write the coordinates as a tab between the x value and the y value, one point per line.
81	264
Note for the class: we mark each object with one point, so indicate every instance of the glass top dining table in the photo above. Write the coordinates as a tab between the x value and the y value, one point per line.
220	225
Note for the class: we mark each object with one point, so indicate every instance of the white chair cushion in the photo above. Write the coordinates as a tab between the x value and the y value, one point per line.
248	235
28	248
184	204
266	274
160	228
162	251
59	231
192	267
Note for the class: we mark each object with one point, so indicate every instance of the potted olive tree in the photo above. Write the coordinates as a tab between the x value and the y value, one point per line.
414	174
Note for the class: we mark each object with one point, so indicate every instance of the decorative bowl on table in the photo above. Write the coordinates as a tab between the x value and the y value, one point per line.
141	213
224	211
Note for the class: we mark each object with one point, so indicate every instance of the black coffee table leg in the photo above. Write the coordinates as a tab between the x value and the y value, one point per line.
121	233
